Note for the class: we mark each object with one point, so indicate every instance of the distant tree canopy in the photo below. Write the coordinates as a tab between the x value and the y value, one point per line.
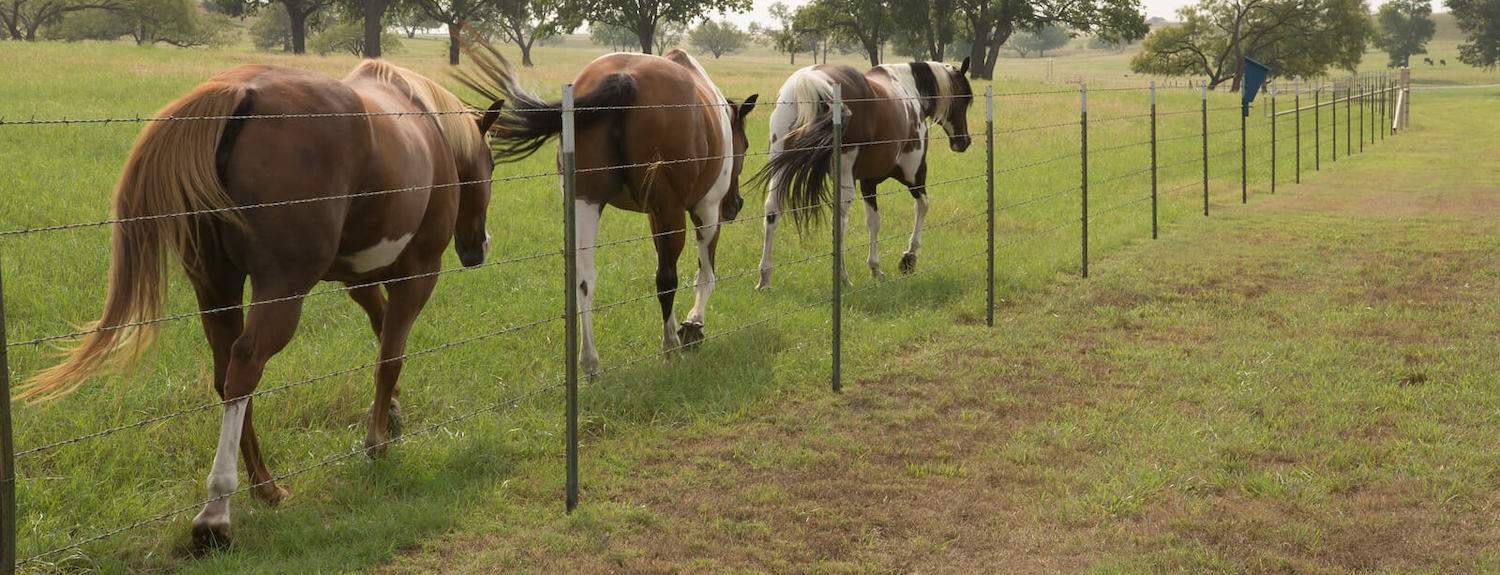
667	35
1296	38
527	22
176	22
348	37
718	38
786	36
988	24
1050	37
644	17
24	18
867	24
1480	21
1405	26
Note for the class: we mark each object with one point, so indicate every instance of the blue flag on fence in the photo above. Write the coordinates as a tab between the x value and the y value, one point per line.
1255	76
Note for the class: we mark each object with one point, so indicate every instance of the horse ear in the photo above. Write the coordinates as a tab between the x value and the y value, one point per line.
489	117
747	106
963	68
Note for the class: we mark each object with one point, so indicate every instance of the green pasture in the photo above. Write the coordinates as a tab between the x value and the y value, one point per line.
507	462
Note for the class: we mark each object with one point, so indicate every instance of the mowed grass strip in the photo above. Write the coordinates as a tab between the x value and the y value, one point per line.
1307	385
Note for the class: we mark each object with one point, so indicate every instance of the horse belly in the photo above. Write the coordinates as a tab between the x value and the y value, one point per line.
379	231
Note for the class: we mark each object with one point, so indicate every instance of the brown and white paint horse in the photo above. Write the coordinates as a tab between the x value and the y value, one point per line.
654	135
317	163
887	113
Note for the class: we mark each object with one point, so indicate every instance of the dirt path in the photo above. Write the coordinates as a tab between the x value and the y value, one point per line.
1307	384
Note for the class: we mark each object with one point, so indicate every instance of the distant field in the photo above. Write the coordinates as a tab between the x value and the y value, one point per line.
358	514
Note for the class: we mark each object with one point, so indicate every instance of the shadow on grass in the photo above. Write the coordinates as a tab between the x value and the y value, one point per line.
721	376
358	513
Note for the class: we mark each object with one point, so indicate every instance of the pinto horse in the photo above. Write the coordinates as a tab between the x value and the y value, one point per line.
387	129
887	111
654	135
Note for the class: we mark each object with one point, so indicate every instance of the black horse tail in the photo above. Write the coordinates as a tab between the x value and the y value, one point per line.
528	122
799	173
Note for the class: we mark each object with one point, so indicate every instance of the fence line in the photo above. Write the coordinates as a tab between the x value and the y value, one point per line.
1375	93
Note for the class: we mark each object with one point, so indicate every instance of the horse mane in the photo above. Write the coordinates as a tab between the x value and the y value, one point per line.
457	128
934	77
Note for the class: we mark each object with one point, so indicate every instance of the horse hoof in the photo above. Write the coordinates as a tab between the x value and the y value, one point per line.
393	417
208	536
908	262
271	494
691	335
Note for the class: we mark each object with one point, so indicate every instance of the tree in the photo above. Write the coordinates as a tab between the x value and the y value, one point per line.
526	22
990	23
299	13
373	30
865	23
788	38
1480	21
644	17
180	23
455	14
923	28
23	18
1296	38
411	18
717	38
1405	28
348	37
616	38
1041	40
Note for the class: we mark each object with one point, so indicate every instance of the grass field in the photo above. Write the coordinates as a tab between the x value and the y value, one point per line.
493	482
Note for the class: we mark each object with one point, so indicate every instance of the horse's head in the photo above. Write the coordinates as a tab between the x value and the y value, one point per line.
956	119
730	207
470	240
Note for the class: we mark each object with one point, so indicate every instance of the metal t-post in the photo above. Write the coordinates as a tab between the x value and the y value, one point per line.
570	285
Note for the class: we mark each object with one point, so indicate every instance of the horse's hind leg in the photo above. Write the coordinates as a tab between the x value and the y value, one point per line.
406	301
867	189
667	226
918	192
220	298
372	300
268	328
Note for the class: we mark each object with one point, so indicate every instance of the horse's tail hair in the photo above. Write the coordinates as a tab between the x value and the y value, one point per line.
172	169
528	121
798	173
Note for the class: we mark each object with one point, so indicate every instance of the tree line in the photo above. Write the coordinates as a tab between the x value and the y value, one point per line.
1308	38
1211	39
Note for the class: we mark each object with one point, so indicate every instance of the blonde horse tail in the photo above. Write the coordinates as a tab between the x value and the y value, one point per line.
172	169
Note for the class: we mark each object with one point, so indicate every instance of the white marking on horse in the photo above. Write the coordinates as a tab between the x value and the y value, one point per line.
707	209
223	478
382	254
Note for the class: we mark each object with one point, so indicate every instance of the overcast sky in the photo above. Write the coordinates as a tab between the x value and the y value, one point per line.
1163	8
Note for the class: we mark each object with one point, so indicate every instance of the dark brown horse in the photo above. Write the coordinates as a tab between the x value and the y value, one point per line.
654	135
887	114
193	165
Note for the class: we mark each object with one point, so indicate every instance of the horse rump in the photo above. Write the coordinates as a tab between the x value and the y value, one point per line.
799	172
529	121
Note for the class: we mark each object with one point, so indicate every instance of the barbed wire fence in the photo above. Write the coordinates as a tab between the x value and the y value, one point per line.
1381	101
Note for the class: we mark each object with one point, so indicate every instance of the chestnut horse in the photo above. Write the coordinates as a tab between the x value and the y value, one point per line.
887	112
654	135
329	230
